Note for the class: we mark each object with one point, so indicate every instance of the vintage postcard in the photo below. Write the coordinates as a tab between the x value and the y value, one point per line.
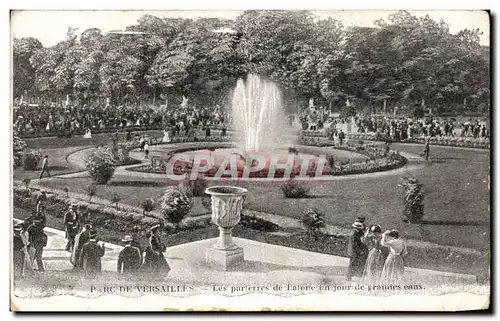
253	160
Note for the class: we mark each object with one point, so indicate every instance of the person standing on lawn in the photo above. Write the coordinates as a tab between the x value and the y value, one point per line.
356	251
427	148
71	226
45	166
130	258
91	255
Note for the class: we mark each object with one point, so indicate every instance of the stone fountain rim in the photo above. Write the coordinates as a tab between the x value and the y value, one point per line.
238	191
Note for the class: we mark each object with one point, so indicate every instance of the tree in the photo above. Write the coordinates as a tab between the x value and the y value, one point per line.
23	73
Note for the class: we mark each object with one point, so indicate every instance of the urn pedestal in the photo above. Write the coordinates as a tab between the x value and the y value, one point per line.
227	202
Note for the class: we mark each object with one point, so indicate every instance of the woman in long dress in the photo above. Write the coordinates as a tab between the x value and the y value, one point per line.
374	262
88	133
166	137
29	252
394	268
154	259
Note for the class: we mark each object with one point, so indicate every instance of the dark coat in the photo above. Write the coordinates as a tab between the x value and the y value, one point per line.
18	244
80	240
36	237
357	251
71	224
91	257
155	260
129	259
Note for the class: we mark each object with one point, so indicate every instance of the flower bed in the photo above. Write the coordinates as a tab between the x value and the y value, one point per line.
118	220
378	161
440	141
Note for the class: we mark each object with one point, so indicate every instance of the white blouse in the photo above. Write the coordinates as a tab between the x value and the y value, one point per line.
397	246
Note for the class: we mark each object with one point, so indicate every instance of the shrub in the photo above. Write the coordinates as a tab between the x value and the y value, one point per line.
26	182
413	200
91	190
101	165
293	189
18	146
193	188
147	205
31	160
175	205
313	221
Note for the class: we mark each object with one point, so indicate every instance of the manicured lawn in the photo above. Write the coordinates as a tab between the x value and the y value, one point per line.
456	203
456	182
57	163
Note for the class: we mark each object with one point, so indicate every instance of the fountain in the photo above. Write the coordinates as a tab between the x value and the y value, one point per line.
258	114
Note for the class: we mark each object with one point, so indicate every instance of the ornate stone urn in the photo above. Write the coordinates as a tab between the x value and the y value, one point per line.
227	202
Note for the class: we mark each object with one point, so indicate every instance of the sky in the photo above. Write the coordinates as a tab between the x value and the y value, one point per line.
50	26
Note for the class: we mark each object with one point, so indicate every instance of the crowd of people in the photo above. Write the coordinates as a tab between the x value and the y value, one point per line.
375	257
67	120
395	128
86	250
402	128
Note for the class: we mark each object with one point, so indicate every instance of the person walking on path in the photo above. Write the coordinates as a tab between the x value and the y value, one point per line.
356	251
37	240
71	226
80	240
394	268
91	255
374	261
427	148
45	166
19	253
146	150
130	258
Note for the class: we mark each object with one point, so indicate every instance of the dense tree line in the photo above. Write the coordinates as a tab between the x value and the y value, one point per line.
406	62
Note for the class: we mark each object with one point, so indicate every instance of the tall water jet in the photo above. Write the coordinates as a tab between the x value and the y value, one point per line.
258	114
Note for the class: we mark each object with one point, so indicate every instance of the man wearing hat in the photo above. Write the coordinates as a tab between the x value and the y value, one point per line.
91	255
19	252
356	251
80	240
71	226
130	258
37	240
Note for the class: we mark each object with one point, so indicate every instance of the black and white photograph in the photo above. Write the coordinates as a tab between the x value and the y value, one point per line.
250	160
